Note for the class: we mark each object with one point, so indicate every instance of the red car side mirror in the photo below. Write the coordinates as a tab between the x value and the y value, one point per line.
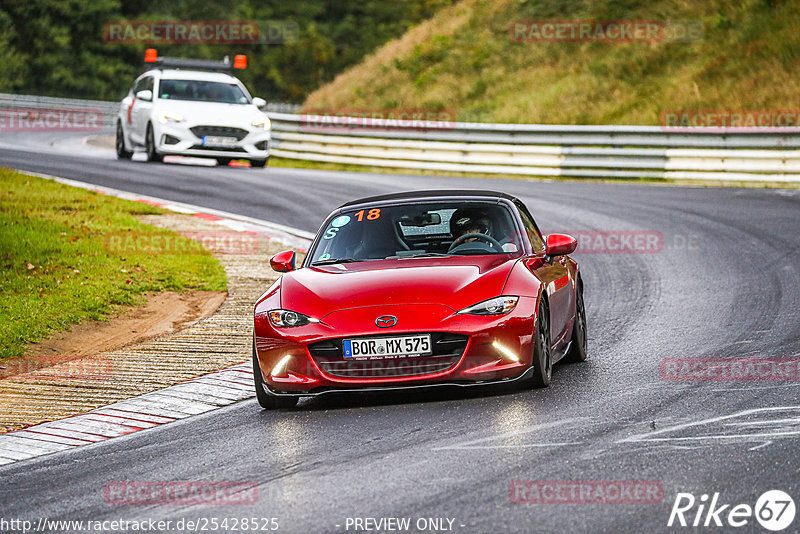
283	262
560	245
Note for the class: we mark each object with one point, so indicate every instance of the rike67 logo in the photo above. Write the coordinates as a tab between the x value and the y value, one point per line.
774	510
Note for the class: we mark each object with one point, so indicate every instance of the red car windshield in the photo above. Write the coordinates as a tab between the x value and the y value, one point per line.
418	230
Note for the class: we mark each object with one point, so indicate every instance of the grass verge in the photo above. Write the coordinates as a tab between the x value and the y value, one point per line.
56	268
469	59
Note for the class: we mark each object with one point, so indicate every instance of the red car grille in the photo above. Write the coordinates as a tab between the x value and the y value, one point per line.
447	351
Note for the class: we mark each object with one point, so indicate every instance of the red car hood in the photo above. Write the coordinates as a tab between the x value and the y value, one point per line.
456	282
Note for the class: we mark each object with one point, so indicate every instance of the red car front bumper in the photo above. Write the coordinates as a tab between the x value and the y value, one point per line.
468	349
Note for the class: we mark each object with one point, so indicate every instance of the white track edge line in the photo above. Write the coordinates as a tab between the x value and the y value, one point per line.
296	232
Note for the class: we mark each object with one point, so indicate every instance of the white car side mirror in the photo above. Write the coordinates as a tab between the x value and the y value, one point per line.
146	95
259	102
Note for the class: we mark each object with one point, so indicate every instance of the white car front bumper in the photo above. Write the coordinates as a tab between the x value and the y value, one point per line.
193	140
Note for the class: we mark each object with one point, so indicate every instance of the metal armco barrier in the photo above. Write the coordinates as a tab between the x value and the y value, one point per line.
769	155
542	150
108	110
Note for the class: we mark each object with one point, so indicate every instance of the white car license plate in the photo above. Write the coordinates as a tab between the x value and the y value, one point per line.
217	140
388	347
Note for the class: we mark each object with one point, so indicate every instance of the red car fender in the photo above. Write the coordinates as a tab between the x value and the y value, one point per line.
530	277
522	280
272	291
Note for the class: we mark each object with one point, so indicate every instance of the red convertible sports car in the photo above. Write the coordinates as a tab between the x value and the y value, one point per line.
415	290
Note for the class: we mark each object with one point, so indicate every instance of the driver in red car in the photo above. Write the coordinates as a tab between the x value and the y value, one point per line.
466	221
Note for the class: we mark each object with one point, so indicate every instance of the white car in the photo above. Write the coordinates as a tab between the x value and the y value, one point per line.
190	110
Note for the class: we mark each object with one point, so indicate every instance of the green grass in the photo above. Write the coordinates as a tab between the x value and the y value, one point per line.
464	60
56	269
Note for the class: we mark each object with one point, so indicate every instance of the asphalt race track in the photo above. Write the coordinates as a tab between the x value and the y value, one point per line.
723	283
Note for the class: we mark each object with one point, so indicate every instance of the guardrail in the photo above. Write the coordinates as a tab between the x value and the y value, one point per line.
16	103
542	150
768	154
107	110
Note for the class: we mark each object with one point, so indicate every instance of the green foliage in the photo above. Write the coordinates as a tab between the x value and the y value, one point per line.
56	47
747	59
56	266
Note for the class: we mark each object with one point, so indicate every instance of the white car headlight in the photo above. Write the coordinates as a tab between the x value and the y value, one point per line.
164	118
495	306
262	122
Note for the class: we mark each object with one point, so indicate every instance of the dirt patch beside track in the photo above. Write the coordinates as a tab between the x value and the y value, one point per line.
86	382
163	314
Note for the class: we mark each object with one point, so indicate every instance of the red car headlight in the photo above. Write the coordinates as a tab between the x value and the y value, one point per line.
288	318
495	306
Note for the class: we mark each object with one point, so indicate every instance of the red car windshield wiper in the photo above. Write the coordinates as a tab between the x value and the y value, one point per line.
331	261
419	255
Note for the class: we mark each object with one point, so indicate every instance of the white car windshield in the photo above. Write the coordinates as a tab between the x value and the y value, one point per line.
202	91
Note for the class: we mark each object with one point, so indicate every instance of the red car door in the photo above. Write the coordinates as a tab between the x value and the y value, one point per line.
555	276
